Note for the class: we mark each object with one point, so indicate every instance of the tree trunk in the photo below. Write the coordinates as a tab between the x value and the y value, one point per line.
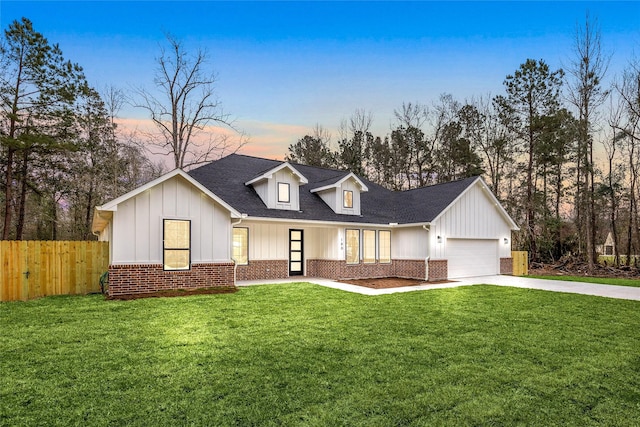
530	207
8	194
87	221
593	257
23	194
614	209
54	218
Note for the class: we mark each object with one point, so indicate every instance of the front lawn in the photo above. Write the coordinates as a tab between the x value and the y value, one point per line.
301	354
600	280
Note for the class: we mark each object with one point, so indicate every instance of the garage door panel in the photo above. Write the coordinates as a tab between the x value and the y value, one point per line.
472	257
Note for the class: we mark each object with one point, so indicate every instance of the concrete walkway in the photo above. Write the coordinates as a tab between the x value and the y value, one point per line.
608	291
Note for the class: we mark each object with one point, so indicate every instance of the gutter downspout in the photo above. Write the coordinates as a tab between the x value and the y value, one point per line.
427	228
235	264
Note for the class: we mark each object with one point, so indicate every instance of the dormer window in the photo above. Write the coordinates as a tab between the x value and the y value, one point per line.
279	188
342	193
284	192
347	199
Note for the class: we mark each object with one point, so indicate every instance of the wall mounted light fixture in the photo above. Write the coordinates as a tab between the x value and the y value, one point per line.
439	239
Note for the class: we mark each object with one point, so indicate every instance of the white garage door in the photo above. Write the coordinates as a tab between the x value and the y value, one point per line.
472	257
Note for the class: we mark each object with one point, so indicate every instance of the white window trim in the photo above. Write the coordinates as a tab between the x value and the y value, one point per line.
378	247
288	192
357	249
344	199
165	248
375	246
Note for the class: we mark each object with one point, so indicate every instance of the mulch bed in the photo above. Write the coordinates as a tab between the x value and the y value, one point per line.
389	282
175	293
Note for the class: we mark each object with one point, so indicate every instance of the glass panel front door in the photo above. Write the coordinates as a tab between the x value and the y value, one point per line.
296	257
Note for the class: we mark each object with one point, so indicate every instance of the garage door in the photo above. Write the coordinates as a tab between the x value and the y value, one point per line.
472	257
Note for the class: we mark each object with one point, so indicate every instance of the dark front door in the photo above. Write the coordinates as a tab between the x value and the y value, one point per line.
296	258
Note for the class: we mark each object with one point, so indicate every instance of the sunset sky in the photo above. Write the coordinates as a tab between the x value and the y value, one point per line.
285	67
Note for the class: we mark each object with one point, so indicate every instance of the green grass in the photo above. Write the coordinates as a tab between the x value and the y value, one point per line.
301	354
600	280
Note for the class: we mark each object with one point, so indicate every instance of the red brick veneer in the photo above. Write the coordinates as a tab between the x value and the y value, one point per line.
146	278
438	269
506	265
263	269
339	269
410	268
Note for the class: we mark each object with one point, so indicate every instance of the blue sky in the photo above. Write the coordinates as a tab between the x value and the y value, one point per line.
285	66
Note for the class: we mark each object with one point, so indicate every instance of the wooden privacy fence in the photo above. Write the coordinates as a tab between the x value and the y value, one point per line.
520	263
32	269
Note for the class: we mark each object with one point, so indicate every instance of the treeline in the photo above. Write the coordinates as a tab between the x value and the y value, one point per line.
558	148
61	152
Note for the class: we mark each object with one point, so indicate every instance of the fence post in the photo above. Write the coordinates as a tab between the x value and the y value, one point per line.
520	263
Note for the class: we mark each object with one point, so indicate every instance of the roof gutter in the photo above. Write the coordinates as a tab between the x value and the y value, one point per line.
337	223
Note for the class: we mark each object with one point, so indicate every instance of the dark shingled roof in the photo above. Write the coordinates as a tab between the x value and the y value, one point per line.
226	178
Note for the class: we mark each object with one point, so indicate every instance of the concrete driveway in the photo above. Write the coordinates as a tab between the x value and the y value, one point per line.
608	291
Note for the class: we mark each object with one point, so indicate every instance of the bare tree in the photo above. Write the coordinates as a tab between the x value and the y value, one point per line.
412	115
614	176
628	125
185	109
586	93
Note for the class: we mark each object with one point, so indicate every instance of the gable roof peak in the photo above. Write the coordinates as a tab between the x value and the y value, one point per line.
269	173
337	181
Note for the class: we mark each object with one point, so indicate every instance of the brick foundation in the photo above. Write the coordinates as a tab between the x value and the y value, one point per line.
410	268
335	269
438	269
263	269
506	265
146	278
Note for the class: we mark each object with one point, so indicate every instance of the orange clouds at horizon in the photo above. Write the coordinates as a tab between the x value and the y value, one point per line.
263	139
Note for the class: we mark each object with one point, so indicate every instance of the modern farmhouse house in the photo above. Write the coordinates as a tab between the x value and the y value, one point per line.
242	218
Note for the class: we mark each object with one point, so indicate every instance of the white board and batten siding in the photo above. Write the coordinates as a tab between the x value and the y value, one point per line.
137	230
267	240
471	235
409	243
324	243
270	241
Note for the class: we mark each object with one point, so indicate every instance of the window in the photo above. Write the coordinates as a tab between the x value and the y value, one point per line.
284	195
384	246
368	246
347	199
241	245
353	246
177	244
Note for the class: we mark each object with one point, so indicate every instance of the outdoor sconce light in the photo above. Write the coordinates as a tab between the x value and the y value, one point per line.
506	241
439	239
